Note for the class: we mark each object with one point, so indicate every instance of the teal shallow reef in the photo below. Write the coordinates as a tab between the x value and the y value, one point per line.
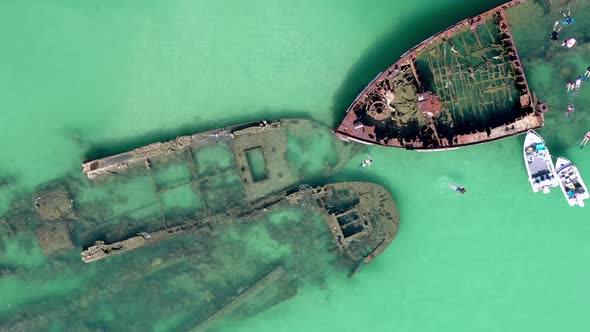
80	80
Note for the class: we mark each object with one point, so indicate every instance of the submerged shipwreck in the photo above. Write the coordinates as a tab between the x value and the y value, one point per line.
362	218
231	217
359	215
462	86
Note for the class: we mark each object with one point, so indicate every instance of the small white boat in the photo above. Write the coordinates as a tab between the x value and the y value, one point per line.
538	163
571	183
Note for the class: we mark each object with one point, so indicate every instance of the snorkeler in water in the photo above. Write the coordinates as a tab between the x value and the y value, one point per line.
459	189
555	34
578	82
567	18
366	163
568	42
585	140
570	109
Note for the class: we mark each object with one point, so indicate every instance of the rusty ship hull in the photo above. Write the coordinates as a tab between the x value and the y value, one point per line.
463	86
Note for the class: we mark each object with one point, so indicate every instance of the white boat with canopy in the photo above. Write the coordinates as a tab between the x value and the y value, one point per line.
571	182
538	163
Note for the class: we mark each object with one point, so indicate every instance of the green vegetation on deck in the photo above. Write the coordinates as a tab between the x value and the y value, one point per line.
475	84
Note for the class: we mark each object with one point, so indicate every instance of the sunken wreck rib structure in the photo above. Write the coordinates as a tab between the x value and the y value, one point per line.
462	86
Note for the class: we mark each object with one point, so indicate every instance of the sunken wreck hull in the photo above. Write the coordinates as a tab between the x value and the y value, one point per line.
228	184
463	86
356	213
362	217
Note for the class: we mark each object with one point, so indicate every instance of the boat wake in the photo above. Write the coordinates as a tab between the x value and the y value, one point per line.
442	185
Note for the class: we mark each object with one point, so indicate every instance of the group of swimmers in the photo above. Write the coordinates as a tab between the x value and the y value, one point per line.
569	42
568	20
570	107
577	83
571	85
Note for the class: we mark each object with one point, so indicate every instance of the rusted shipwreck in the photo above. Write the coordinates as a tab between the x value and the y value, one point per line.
462	86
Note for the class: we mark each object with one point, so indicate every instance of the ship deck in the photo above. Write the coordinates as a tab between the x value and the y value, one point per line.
476	85
462	86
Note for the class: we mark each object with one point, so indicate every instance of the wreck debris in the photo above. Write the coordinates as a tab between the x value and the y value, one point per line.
55	209
101	250
251	292
7	226
54	204
54	237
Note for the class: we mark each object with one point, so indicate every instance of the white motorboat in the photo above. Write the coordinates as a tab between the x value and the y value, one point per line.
571	182
538	163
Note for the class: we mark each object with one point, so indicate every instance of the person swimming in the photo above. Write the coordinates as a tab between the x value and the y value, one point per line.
587	73
570	109
366	163
585	140
568	42
459	189
578	82
567	18
555	34
570	86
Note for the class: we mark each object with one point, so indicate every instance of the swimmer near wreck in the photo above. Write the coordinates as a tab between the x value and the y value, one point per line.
568	19
569	110
459	189
555	34
366	163
585	140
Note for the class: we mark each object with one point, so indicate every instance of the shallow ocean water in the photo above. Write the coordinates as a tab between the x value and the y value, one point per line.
79	81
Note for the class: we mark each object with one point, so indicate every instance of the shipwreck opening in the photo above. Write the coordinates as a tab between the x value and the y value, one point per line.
347	218
257	164
350	224
351	230
341	201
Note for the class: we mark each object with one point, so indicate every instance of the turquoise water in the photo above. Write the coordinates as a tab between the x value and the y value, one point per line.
82	80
